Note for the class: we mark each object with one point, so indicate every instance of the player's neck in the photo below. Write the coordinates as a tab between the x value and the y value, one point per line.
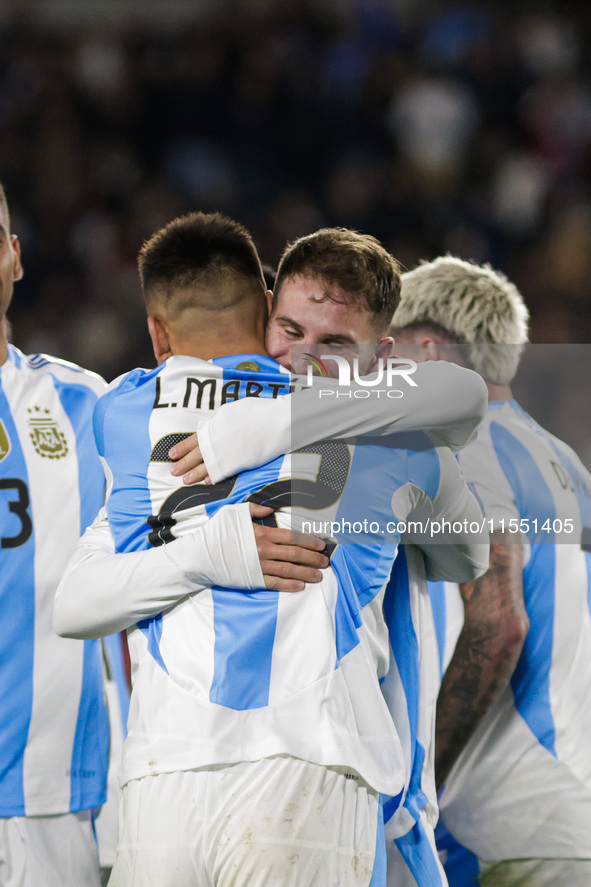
215	335
499	392
214	346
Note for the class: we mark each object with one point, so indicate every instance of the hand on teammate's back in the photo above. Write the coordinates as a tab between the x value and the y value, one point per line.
288	559
189	462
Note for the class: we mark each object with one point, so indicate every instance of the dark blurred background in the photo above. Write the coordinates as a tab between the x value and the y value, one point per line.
436	126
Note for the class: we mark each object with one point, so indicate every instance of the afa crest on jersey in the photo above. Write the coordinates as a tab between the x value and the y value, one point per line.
4	441
45	434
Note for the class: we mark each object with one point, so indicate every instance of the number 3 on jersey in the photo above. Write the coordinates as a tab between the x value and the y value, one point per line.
17	499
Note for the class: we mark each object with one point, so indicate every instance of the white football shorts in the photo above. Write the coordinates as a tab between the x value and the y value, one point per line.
276	821
48	851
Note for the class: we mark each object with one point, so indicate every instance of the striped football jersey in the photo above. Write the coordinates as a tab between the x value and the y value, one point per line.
522	786
225	675
53	730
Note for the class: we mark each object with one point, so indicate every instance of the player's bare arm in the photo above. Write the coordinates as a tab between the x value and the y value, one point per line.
486	652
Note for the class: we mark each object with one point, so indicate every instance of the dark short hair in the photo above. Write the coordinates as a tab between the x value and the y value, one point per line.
198	249
358	263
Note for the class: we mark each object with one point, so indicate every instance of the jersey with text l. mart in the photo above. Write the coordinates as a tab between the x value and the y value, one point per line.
522	786
226	675
53	723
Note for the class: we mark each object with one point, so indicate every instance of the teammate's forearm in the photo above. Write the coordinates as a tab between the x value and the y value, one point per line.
102	592
485	656
448	401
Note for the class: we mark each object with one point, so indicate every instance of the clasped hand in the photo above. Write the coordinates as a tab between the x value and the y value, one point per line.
289	559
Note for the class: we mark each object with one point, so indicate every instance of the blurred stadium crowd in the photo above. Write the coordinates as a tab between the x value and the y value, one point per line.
436	126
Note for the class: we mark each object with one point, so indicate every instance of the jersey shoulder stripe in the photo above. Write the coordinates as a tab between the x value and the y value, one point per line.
61	369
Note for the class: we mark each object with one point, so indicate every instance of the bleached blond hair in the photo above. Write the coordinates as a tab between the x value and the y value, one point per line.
475	304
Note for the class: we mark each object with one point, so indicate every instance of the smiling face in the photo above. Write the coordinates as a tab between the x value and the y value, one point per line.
308	311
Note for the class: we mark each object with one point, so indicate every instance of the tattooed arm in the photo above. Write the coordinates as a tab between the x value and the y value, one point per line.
489	645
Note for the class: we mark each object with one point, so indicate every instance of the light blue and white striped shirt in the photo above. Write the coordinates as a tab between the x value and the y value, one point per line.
522	786
53	724
225	675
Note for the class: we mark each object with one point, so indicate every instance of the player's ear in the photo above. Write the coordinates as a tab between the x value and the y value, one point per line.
17	268
430	348
384	348
269	295
160	339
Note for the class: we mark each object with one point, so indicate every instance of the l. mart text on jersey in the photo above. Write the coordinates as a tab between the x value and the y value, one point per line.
212	393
